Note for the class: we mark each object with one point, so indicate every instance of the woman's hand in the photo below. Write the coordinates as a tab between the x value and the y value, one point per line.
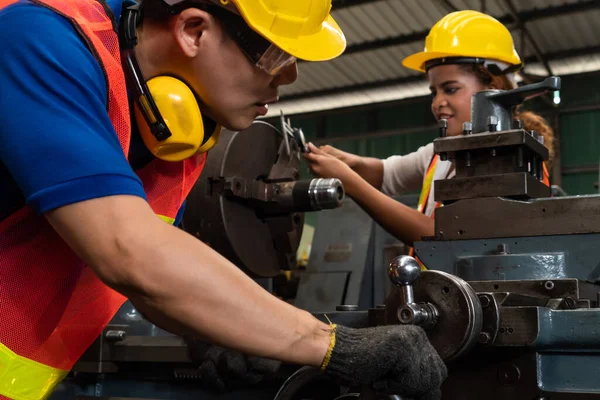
325	165
352	160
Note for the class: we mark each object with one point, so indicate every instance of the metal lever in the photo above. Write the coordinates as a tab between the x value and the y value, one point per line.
499	104
515	97
403	272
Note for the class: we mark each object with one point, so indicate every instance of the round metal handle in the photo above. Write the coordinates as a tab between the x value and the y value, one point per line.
404	270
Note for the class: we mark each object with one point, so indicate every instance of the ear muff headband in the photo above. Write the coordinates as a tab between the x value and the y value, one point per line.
134	75
169	117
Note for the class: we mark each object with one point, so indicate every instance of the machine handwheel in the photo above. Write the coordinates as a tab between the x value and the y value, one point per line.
460	315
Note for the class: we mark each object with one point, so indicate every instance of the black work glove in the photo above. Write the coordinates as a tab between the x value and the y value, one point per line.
396	359
223	369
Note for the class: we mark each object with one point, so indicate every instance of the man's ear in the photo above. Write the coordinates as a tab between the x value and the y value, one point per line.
191	28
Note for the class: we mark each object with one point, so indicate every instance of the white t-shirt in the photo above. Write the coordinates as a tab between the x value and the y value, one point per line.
406	173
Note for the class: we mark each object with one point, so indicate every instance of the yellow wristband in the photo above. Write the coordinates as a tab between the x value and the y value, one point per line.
330	349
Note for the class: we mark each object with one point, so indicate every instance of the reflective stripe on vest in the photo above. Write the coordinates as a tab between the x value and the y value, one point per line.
22	378
52	305
545	175
427	183
168	220
424	198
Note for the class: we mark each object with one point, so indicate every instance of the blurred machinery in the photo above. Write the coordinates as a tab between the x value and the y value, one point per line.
348	260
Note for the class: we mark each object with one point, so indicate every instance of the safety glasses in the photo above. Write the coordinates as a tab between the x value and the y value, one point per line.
261	52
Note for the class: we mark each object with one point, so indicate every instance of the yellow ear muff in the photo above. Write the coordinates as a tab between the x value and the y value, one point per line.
210	141
179	109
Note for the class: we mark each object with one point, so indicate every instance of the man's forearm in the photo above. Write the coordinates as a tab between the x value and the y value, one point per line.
183	285
200	293
405	223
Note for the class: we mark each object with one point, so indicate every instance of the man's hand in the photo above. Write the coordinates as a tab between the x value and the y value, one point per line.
223	369
396	359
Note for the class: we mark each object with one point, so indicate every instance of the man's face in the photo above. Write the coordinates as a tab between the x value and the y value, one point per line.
234	92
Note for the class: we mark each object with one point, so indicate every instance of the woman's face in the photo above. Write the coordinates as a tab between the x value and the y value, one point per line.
451	90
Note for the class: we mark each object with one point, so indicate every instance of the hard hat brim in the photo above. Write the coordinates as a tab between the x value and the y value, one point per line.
329	42
417	61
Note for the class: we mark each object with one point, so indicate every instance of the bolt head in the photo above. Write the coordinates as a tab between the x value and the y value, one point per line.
484	338
484	300
407	314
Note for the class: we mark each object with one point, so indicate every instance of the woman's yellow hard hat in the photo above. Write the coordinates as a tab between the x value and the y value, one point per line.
466	34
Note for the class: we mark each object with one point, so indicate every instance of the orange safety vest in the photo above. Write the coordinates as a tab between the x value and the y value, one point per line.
426	192
52	305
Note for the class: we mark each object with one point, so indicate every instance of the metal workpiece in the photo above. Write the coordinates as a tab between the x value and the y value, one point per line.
323	194
292	134
458	313
278	198
473	219
248	204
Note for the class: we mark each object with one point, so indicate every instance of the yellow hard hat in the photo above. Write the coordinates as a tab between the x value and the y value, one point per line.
303	28
466	34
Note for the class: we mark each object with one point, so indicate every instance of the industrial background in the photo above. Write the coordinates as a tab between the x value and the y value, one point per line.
367	103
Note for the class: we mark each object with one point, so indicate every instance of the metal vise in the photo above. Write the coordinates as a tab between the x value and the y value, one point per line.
495	156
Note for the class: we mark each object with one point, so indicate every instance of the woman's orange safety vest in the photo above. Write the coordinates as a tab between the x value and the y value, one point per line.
426	192
52	305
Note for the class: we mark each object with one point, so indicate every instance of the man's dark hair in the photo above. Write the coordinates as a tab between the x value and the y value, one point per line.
155	11
159	11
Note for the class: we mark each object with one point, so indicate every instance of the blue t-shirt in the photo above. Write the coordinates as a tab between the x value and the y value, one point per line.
57	143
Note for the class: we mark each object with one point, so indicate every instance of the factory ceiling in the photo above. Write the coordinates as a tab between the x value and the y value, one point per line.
554	37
